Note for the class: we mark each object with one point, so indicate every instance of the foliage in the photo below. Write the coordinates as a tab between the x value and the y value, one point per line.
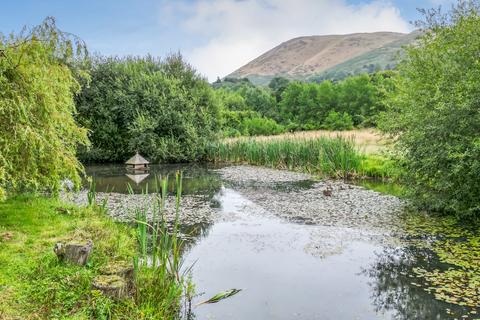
163	109
338	121
307	106
231	83
232	100
261	126
361	97
244	112
278	85
221	296
357	97
260	100
379	166
336	157
233	122
38	134
434	116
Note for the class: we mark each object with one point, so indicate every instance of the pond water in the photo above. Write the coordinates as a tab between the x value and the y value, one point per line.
289	270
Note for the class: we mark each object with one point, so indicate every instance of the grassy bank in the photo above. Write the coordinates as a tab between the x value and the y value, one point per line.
34	284
368	141
336	157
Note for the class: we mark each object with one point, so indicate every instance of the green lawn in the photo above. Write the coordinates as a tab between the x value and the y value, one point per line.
33	283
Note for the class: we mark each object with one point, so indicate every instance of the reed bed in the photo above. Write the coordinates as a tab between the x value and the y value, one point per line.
162	281
369	141
334	157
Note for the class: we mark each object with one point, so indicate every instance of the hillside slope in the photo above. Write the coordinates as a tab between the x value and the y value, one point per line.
303	57
383	58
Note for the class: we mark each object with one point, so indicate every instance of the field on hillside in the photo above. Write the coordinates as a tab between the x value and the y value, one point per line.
368	140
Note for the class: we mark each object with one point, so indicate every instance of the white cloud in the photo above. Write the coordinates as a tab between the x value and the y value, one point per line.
239	31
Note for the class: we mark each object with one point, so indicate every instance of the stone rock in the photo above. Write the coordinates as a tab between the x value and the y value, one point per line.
76	252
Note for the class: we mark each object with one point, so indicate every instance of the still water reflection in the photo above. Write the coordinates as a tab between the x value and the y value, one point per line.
197	178
269	260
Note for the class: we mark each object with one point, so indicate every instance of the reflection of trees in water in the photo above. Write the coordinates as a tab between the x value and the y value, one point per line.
392	290
197	178
194	233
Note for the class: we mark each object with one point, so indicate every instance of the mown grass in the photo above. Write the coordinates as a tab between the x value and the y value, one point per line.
34	284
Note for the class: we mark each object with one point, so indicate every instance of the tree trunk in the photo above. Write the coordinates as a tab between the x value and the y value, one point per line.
74	252
122	269
111	285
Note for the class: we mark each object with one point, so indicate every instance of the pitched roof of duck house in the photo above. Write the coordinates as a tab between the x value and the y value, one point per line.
137	178
137	159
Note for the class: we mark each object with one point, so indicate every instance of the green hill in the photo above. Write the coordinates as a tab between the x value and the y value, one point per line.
384	58
334	57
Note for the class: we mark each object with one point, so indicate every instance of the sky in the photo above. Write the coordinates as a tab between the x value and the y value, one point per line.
215	36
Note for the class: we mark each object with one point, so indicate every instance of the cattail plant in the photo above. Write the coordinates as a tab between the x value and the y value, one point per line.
162	282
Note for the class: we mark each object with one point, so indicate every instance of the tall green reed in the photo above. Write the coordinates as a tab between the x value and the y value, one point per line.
335	157
162	282
92	192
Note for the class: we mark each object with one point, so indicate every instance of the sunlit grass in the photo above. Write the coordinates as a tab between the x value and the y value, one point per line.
33	283
368	141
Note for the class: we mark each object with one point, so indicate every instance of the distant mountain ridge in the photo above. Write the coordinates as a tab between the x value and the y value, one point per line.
326	57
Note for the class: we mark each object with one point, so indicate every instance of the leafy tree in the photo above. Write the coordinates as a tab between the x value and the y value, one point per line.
307	104
162	109
338	121
232	100
434	114
260	100
278	85
38	134
356	96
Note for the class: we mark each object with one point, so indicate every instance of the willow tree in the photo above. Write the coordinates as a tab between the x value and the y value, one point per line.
38	134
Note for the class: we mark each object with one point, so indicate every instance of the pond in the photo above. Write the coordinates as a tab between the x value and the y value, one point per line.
292	249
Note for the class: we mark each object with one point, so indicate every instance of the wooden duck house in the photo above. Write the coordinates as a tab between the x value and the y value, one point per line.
137	162
137	178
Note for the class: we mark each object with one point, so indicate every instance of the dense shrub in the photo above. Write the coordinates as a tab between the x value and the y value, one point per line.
338	121
435	115
38	134
246	123
262	126
163	109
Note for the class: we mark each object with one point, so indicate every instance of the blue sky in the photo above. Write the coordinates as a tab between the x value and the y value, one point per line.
216	36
